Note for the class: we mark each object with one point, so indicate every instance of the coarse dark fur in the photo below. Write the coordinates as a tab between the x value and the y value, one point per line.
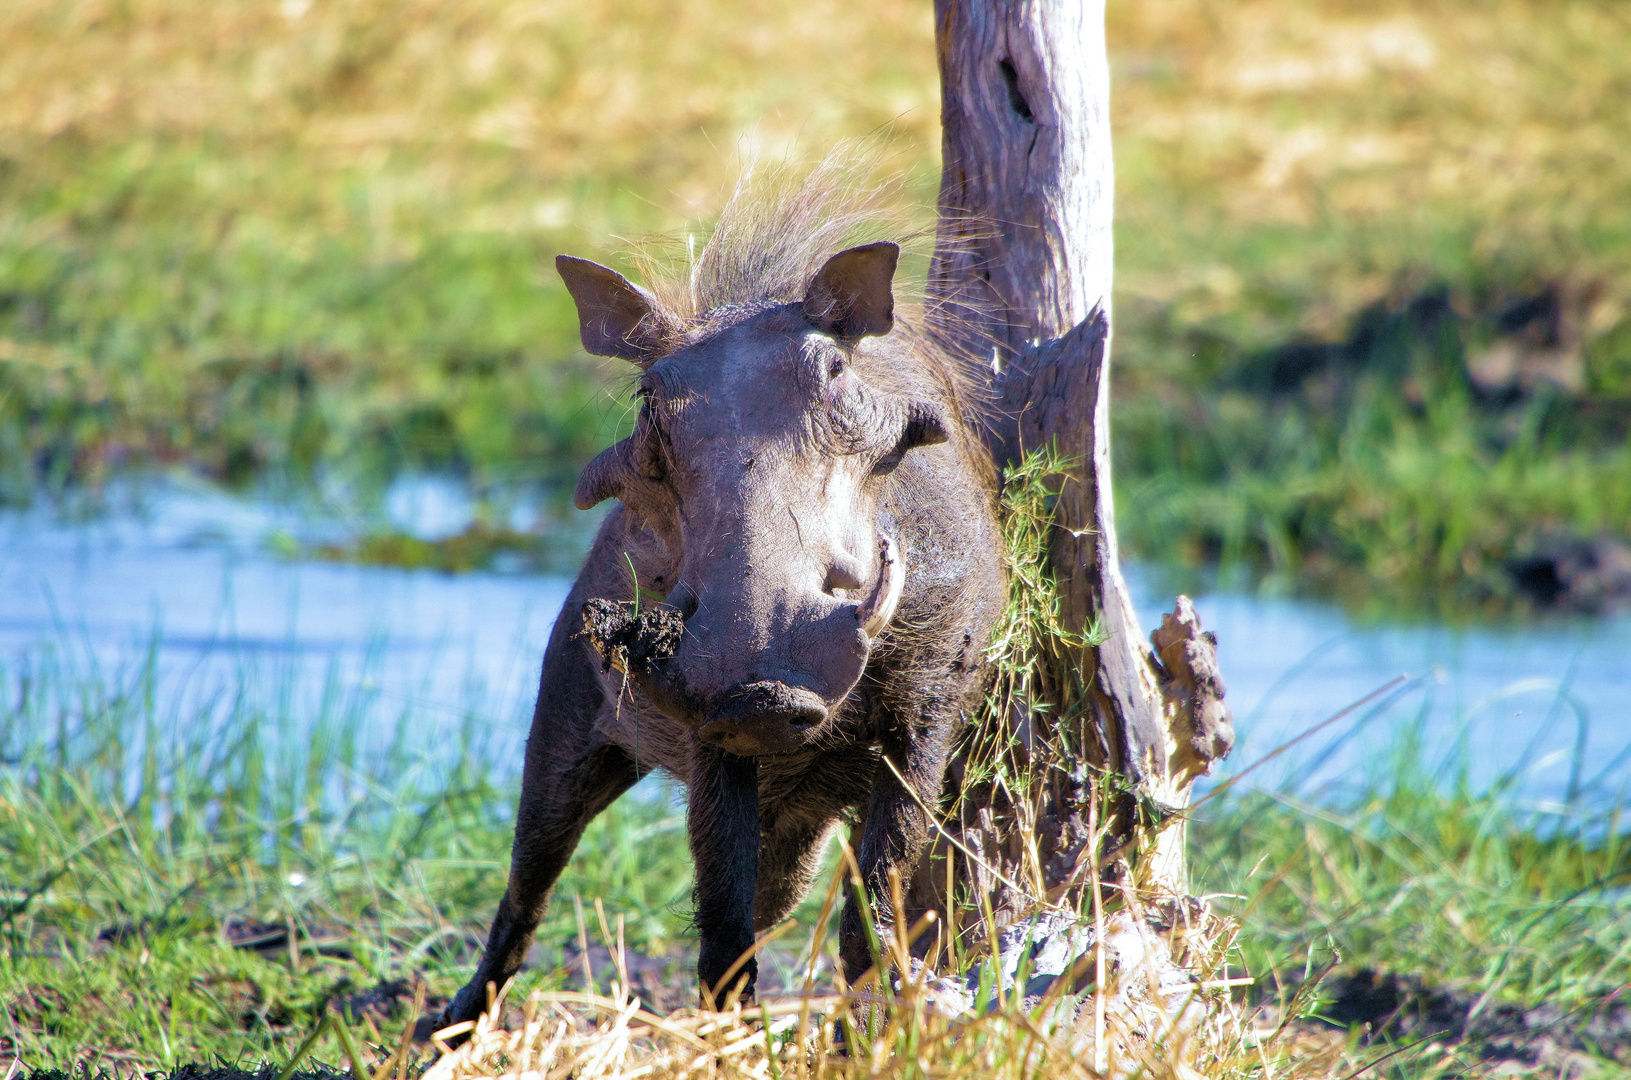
794	438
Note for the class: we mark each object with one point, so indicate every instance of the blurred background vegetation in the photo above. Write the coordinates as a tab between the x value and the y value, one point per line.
1373	331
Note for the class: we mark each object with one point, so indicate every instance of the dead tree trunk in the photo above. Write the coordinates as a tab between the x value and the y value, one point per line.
1022	275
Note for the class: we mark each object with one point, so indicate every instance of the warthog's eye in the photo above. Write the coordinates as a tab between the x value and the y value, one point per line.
648	414
836	367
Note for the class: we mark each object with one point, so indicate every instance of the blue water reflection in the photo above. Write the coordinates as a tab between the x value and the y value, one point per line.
188	584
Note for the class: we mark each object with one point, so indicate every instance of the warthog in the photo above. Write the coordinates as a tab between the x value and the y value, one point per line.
798	583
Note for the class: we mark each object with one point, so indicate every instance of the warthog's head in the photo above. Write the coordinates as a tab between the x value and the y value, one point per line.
765	438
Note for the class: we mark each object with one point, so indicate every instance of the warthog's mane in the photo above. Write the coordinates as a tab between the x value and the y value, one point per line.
777	229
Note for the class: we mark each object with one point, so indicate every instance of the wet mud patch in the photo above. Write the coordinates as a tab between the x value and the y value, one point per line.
630	637
1575	575
1405	1008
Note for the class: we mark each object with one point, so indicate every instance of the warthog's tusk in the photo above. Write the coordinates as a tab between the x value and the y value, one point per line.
879	608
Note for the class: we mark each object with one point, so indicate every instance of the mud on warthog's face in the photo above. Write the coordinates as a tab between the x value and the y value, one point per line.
757	462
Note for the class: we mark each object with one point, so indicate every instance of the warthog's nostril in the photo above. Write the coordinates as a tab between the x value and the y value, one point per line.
684	600
770	702
804	717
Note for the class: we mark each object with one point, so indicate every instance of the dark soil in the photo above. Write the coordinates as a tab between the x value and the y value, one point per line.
1402	1008
1569	573
272	938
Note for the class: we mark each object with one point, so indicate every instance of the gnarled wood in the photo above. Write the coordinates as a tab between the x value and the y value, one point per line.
1022	274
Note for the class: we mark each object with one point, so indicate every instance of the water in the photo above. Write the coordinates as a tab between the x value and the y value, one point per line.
187	582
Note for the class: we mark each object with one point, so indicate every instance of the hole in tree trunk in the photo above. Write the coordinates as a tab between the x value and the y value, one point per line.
1010	77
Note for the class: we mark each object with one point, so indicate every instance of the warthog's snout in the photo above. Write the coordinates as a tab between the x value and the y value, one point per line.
763	718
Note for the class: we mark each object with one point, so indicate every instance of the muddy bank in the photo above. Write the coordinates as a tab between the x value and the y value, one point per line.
1393	1009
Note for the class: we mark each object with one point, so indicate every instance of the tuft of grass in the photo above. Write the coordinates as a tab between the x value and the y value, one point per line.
1036	657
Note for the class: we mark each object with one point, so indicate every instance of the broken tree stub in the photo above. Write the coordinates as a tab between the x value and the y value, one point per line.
1022	275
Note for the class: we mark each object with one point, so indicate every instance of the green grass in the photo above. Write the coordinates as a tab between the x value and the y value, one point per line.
270	239
244	359
1379	186
1383	478
1459	887
130	834
139	824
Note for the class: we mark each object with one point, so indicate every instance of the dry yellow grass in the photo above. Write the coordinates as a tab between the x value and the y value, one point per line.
1359	140
462	114
1318	145
596	1038
1132	1000
915	1027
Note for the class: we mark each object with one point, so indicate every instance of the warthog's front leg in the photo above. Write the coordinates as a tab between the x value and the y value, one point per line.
895	827
549	823
571	774
723	823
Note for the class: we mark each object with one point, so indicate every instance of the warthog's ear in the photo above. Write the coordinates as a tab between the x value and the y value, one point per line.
615	316
602	477
851	296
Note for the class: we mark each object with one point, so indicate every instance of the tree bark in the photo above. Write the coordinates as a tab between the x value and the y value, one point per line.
1022	276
